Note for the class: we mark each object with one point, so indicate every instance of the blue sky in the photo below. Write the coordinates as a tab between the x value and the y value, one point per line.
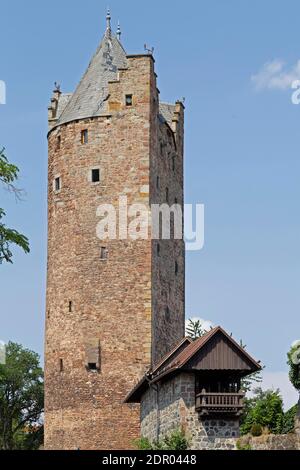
242	150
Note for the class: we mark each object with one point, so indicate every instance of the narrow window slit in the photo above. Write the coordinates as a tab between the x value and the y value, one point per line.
84	136
57	184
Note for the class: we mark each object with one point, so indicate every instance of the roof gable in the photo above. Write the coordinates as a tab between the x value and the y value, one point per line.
220	353
216	350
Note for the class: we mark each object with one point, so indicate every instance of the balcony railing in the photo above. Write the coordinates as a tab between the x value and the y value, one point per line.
214	403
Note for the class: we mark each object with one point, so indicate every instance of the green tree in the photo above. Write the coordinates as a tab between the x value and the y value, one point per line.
289	420
265	409
21	399
294	368
194	329
8	176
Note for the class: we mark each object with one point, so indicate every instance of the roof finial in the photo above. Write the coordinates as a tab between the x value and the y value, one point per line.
108	25
119	32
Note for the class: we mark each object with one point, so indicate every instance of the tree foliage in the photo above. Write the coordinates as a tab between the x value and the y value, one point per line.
264	409
289	420
194	329
8	236
294	365
21	399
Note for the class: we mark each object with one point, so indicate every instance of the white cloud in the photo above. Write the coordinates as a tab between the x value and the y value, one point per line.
206	324
275	75
275	380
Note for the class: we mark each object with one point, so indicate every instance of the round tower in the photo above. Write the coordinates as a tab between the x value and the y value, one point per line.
103	297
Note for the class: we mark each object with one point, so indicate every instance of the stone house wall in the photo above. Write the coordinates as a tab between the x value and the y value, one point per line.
170	405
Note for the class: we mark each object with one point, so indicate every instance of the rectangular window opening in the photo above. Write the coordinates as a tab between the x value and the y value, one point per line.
61	365
103	253
167	314
84	136
70	306
57	184
128	100
95	175
58	142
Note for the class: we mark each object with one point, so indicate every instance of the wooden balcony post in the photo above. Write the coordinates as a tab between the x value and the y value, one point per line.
203	400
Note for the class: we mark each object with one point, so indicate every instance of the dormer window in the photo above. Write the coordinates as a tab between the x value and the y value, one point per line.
84	136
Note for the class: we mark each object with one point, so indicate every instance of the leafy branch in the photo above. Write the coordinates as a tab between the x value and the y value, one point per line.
8	175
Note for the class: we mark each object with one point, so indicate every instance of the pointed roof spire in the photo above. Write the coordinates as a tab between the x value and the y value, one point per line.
108	24
119	32
90	96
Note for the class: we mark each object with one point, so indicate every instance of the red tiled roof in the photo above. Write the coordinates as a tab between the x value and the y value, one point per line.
170	354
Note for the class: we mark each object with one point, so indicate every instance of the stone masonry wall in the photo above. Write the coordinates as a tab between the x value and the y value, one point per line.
108	303
171	406
270	442
168	256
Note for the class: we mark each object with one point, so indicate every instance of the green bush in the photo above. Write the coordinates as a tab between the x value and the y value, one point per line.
266	409
243	446
143	444
175	441
289	420
256	430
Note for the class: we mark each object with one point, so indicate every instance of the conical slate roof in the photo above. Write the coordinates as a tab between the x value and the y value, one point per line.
91	94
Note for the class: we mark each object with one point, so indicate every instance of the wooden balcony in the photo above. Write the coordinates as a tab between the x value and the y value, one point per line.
220	403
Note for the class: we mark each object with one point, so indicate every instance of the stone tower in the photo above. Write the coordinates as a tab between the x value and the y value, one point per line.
114	307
